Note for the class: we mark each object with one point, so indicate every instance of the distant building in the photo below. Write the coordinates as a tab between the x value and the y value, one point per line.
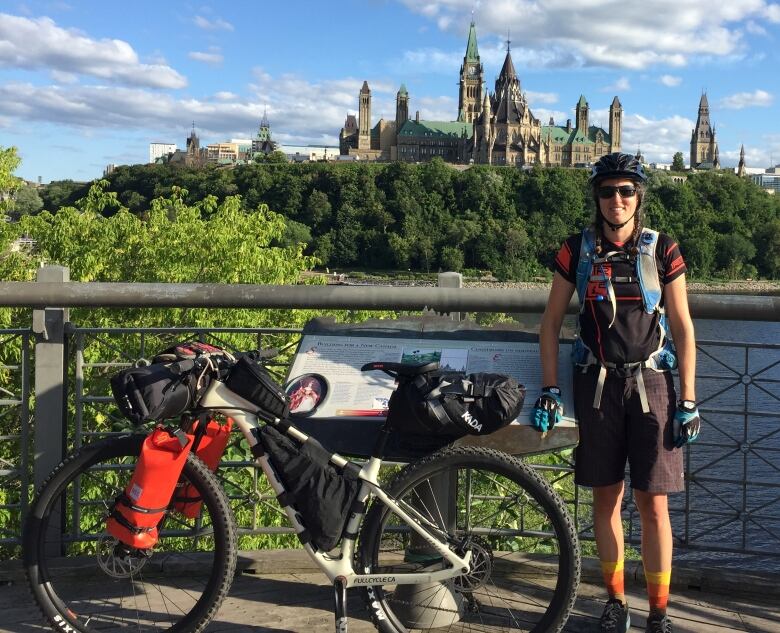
160	150
704	147
262	143
769	182
497	128
108	169
312	153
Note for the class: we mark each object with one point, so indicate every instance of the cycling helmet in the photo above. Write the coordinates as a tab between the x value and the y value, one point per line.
617	165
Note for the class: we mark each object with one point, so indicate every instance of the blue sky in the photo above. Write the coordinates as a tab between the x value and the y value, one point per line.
84	84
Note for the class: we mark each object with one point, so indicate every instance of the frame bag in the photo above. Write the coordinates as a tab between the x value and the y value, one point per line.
321	494
250	380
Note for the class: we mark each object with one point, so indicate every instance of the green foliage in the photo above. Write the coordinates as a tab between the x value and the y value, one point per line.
427	217
678	162
9	161
27	201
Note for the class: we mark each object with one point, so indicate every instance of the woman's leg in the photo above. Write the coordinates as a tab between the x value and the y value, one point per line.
608	528
656	547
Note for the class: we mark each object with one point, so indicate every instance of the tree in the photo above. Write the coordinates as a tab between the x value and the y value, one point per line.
9	161
27	201
678	163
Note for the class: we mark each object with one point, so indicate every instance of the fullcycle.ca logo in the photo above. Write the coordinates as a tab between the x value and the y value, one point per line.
384	580
472	421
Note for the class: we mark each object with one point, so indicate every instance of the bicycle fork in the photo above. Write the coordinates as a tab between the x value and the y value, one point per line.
340	595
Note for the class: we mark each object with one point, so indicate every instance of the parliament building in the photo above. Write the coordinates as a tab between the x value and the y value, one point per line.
496	128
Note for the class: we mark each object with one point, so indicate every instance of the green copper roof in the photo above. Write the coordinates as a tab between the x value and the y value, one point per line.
435	128
402	90
472	54
582	101
559	134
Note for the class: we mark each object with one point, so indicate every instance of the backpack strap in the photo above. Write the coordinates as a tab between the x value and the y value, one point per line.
585	263
647	270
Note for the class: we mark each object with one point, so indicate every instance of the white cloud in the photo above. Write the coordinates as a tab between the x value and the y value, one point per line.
610	33
658	139
224	95
216	24
535	98
34	44
213	57
622	84
754	28
740	100
670	80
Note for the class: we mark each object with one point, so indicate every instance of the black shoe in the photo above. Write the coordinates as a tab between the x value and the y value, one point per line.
615	618
657	623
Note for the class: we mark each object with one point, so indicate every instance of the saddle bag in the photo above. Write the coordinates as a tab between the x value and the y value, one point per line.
453	405
319	492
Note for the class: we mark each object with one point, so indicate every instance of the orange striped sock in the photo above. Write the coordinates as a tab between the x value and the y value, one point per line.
658	590
614	580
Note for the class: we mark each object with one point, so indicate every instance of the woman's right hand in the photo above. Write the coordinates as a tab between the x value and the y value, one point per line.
547	410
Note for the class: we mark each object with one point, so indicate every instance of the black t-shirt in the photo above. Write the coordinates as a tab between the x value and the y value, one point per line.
635	334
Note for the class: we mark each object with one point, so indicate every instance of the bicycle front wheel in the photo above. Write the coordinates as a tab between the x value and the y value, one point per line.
525	562
83	578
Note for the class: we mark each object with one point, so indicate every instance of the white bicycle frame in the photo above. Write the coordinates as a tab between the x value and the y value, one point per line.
221	399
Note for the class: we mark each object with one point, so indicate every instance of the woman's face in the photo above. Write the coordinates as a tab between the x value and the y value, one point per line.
616	208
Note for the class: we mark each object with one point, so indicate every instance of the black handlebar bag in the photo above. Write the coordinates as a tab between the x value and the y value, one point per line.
154	392
452	405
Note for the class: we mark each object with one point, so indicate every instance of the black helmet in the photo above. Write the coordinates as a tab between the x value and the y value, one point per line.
617	165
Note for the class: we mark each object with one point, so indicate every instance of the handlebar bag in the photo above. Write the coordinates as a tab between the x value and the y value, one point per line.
250	380
154	392
319	492
452	405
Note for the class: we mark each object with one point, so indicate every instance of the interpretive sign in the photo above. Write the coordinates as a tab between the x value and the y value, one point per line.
333	400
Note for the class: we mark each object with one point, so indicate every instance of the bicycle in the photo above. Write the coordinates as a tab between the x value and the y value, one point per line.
498	552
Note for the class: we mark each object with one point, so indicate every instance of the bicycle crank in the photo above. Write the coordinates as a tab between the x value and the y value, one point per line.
481	565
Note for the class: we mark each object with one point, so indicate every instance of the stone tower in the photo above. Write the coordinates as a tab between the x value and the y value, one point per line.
703	144
364	117
470	95
582	116
615	125
741	166
401	108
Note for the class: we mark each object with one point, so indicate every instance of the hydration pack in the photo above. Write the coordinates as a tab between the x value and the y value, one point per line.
664	358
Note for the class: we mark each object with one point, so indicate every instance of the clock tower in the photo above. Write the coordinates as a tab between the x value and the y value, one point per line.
470	97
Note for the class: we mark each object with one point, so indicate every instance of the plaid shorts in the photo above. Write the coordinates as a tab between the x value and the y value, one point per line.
619	431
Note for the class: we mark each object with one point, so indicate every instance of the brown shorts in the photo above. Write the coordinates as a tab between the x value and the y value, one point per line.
619	431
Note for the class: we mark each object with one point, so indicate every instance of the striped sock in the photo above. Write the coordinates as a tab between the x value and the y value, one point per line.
614	580
658	590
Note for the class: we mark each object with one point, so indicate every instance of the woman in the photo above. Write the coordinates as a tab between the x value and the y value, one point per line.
631	283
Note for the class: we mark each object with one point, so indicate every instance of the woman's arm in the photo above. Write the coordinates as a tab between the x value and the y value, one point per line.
676	301
549	332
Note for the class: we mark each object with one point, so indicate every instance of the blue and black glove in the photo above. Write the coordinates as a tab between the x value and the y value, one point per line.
687	423
548	409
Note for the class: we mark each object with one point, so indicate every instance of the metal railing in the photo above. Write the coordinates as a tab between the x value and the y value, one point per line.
733	471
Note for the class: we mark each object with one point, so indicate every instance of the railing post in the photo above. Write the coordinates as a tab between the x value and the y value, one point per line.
50	375
451	280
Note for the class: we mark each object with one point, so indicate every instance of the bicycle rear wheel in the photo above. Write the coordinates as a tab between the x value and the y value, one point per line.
178	585
525	566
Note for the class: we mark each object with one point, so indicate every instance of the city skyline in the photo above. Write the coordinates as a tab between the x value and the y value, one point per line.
84	85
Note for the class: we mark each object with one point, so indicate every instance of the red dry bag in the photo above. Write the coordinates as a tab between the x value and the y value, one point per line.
213	440
138	511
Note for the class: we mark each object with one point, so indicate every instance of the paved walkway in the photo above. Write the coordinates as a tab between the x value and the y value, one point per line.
280	592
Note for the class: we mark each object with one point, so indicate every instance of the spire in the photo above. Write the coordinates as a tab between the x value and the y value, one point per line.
582	103
703	103
264	121
508	69
402	91
365	88
615	102
472	53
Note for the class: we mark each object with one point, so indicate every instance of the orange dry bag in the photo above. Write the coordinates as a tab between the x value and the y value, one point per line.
213	440
138	511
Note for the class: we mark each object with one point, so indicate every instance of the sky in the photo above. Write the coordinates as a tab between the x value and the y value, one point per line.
84	84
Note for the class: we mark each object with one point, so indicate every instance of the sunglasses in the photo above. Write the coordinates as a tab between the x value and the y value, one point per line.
607	191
